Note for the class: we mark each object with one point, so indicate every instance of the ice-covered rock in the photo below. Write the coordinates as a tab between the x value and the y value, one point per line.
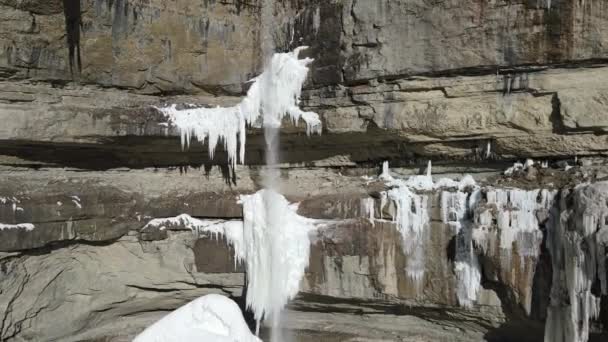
577	243
455	213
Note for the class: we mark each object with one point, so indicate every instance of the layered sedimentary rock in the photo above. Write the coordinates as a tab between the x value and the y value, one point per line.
86	162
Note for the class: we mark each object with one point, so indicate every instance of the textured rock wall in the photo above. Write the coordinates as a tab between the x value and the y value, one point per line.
472	85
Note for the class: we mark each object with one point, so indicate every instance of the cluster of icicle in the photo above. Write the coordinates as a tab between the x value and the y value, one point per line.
577	243
275	254
508	221
275	94
496	223
410	213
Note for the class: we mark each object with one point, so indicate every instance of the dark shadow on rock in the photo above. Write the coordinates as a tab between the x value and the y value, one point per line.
71	10
228	173
518	327
451	249
541	284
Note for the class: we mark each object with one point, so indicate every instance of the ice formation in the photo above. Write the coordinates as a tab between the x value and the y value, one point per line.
276	252
367	208
411	214
412	220
506	223
386	172
212	318
274	94
489	150
425	182
498	222
577	243
455	212
514	212
232	230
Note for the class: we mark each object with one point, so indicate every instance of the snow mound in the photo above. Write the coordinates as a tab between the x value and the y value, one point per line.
211	318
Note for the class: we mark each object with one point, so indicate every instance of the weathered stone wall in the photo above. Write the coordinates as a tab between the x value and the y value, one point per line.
471	85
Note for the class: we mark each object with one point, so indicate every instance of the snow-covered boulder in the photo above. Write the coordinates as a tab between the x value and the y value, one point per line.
211	318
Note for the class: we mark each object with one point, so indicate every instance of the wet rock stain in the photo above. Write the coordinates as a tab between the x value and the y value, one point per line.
71	10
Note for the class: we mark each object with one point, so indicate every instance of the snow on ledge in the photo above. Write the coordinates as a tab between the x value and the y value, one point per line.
27	226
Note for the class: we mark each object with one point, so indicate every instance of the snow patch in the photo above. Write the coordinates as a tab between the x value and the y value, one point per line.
425	182
76	201
26	226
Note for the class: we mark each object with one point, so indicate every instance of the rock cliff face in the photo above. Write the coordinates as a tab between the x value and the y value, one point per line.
86	162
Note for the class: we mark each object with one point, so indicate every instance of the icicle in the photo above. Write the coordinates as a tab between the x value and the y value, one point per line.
454	209
412	219
367	208
428	169
489	149
386	172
